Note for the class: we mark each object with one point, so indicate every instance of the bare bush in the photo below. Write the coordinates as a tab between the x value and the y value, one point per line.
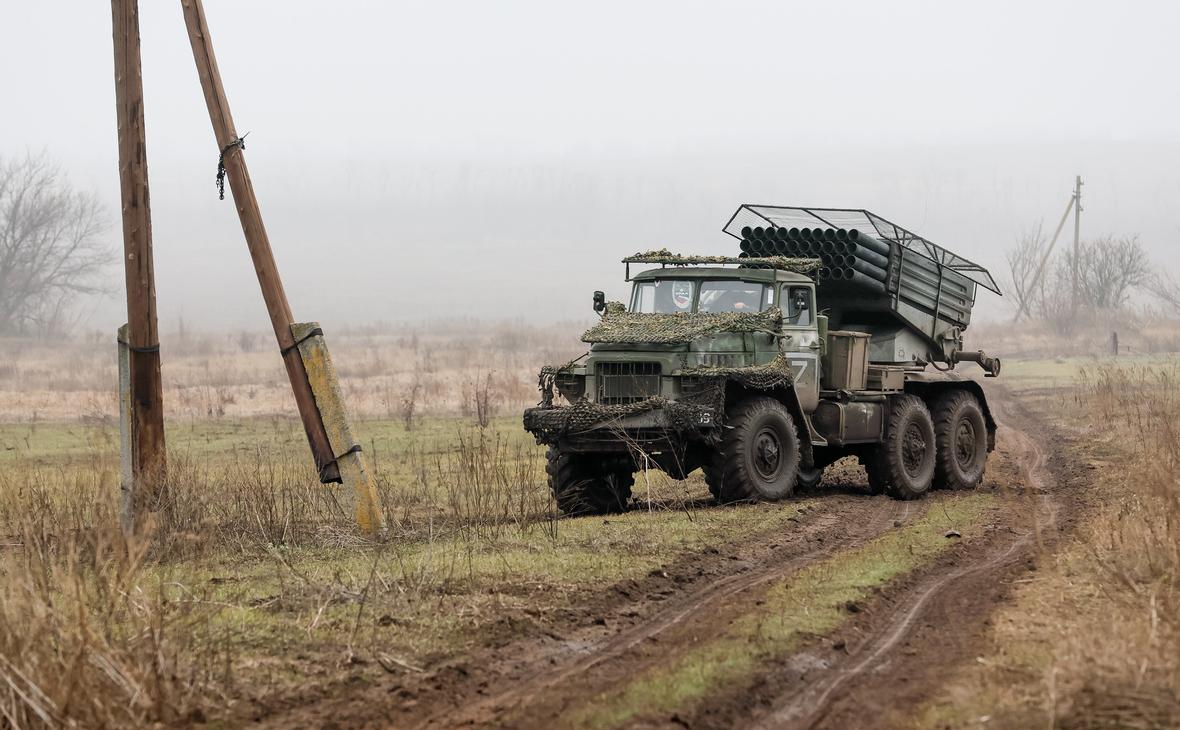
50	246
410	405
478	399
1108	269
1166	290
1026	283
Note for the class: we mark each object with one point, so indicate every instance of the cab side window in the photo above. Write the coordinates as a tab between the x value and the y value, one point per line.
797	305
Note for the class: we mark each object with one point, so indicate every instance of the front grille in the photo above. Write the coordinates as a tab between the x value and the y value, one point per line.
620	383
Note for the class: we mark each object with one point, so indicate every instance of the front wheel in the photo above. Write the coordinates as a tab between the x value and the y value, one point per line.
903	464
758	458
588	484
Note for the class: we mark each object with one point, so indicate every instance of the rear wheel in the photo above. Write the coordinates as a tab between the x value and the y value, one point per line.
589	484
758	457
961	436
903	464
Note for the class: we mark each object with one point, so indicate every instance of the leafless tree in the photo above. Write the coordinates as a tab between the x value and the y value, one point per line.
51	247
1054	302
1026	280
1166	289
1108	269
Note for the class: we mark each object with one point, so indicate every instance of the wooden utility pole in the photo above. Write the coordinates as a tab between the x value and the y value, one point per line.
1077	238
281	318
146	417
1036	279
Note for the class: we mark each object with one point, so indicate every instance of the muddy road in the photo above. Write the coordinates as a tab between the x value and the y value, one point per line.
888	652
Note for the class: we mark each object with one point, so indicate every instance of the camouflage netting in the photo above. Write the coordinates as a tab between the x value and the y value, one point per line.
785	263
583	416
683	416
629	327
774	374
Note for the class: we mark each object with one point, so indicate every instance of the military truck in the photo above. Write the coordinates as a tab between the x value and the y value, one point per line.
828	333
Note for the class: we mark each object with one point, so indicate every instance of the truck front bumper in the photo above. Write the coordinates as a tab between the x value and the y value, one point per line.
654	424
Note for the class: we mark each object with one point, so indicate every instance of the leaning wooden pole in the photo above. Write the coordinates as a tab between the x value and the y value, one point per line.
1036	280
336	451
257	240
145	398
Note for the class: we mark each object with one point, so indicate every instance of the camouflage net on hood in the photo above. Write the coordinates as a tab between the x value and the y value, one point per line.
774	374
548	424
785	263
629	327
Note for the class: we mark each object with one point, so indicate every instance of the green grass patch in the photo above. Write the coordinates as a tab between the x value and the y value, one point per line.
442	590
226	439
810	602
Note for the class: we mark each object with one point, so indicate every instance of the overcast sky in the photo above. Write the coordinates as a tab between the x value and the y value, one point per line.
435	159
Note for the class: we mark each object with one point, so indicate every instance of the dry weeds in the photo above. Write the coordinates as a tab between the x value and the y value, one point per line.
1092	637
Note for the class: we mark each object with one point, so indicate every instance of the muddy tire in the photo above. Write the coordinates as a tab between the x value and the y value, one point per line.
712	480
588	484
961	436
903	464
876	479
758	458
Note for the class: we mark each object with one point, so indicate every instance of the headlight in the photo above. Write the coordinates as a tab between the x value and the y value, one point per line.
572	387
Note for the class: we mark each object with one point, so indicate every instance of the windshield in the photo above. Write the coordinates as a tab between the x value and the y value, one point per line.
733	296
669	296
666	296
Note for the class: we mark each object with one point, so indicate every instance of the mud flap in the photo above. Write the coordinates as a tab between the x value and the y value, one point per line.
359	492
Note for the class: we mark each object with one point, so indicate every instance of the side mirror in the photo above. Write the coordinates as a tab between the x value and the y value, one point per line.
599	302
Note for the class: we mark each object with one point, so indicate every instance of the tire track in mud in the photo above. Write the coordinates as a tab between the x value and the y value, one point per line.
538	695
812	704
531	681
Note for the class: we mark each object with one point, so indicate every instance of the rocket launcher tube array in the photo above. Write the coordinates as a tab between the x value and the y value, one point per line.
846	255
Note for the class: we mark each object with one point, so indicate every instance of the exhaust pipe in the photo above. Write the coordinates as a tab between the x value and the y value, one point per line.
990	365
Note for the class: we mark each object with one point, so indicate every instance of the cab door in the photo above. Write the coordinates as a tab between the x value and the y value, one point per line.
801	346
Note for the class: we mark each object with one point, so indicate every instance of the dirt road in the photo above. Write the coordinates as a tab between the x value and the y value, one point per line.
888	653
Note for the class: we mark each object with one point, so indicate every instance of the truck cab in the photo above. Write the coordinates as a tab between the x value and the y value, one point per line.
716	290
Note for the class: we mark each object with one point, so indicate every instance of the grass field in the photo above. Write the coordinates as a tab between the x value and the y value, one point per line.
252	584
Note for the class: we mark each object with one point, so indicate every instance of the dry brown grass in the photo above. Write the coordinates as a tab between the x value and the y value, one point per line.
250	581
1092	637
97	630
85	640
445	368
1144	332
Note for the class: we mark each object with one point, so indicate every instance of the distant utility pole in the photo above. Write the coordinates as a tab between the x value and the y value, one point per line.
1077	238
1036	279
145	400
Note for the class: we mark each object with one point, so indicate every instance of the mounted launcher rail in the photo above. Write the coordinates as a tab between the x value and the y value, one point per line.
913	297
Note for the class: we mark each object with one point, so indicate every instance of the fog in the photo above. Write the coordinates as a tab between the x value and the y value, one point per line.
423	160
